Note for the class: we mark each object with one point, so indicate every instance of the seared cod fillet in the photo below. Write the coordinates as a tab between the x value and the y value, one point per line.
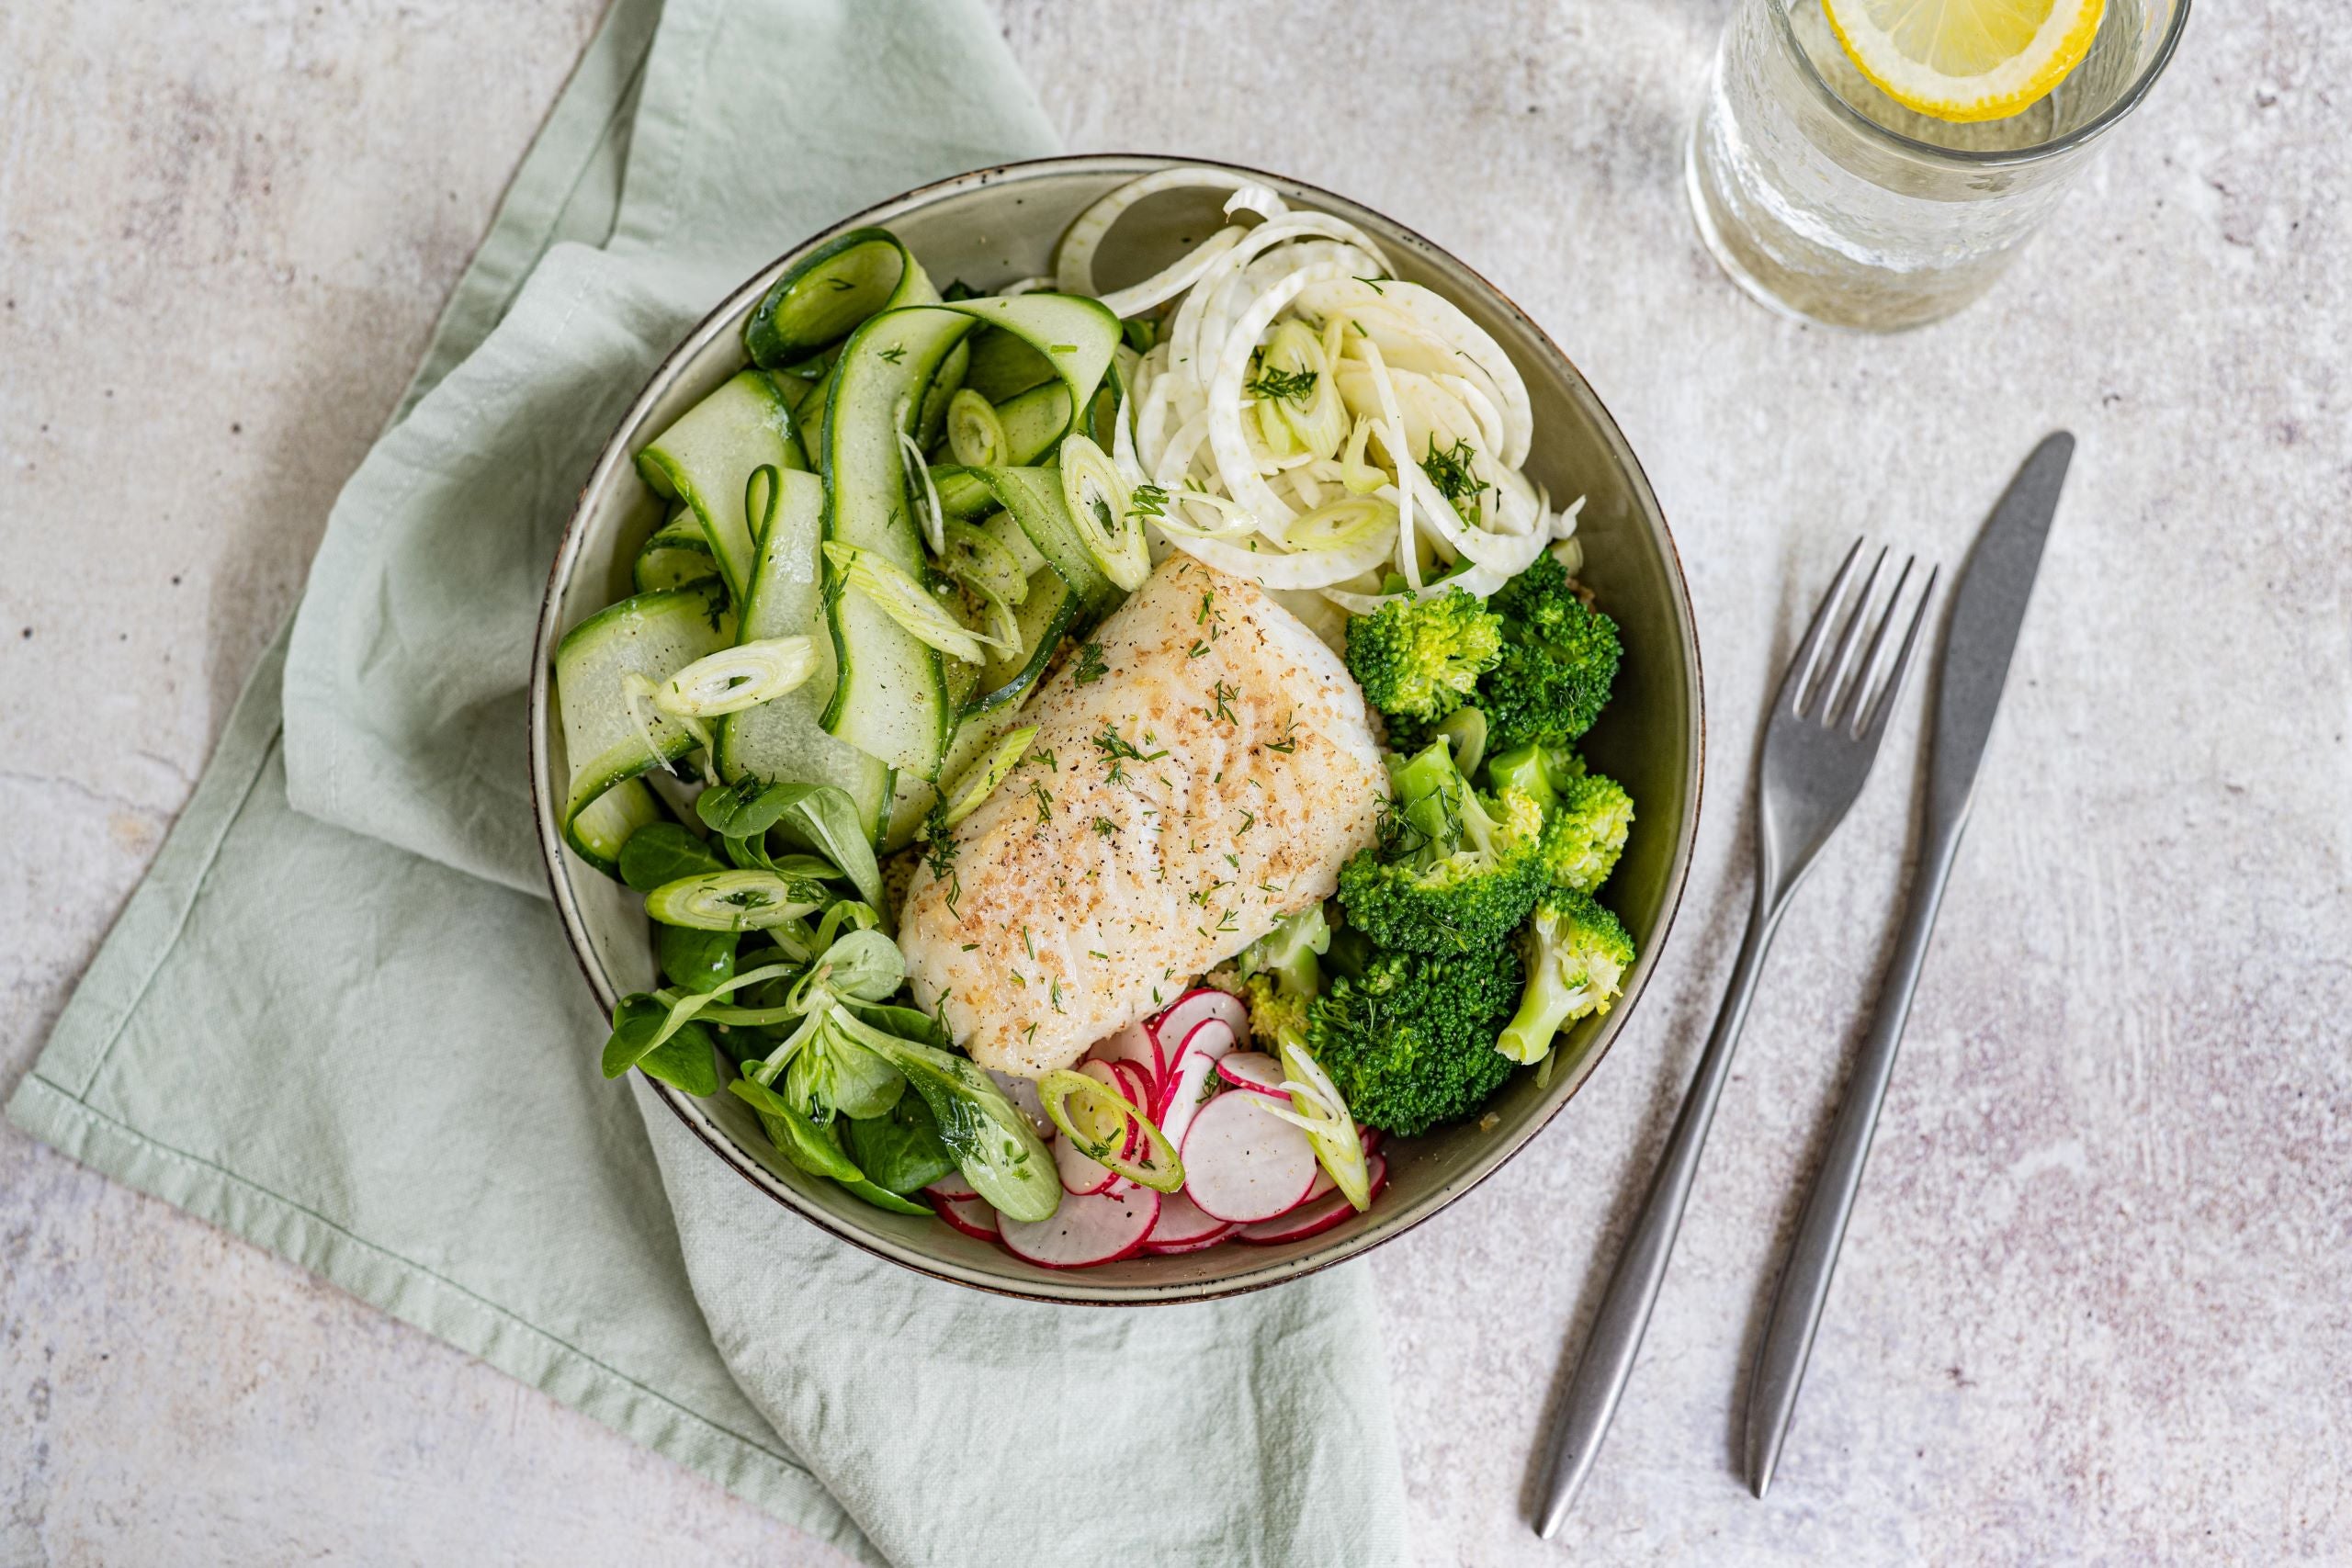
1212	780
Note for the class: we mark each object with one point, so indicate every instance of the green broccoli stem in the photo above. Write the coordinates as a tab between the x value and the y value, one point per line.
1543	1008
1298	973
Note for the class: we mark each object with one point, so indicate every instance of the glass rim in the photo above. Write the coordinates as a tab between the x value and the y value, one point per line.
2125	102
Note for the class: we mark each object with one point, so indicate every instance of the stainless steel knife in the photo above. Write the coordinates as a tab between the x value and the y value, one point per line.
1987	608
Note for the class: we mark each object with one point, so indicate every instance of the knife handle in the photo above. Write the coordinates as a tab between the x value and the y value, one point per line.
1606	1363
1813	1258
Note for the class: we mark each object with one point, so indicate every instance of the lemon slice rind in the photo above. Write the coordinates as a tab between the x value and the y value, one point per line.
2009	86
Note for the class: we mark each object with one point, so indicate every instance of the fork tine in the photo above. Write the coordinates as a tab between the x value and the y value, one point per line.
1824	696
1801	665
1853	700
1884	703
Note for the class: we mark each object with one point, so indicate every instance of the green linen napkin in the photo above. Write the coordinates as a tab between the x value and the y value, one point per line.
338	1018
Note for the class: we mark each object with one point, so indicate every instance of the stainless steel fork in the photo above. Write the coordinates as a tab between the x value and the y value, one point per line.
1819	742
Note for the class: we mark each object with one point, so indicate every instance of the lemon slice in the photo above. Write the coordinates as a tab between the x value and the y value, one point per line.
1964	60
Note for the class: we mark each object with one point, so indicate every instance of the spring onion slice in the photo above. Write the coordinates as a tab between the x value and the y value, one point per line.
905	601
1074	257
919	470
975	435
637	692
1100	1123
733	900
1100	503
1316	1110
737	678
976	783
980	561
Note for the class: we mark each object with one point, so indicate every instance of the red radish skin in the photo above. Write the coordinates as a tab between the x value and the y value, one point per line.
1252	1070
1183	1099
1087	1231
1370	1138
1211	1040
1183	1228
975	1217
1170	1027
1315	1218
1132	1043
1244	1165
1137	1085
954	1189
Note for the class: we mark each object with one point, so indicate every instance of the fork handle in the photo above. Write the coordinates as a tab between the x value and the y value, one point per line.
1812	1257
1616	1339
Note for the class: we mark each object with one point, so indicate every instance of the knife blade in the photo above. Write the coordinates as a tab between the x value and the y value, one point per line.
1980	635
1981	630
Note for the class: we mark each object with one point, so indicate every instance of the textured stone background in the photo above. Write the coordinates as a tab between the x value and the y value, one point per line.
2094	1307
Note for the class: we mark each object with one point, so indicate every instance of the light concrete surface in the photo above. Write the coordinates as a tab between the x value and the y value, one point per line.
2094	1307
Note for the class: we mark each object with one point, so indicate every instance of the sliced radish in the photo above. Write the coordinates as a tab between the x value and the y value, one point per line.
1313	1218
1241	1164
1190	1090
1323	1183
1081	1174
1136	1084
1170	1027
1182	1227
954	1189
974	1217
1132	1043
1252	1070
1091	1228
1370	1138
1022	1092
1211	1040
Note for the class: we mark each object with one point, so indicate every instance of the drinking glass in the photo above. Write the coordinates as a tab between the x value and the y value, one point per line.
1823	197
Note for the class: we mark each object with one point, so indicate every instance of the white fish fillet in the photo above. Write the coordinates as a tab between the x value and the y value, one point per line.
1169	812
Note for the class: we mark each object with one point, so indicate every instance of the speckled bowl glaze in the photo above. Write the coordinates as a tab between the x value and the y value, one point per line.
989	228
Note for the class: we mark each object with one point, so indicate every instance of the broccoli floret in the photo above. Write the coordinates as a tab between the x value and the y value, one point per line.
1586	833
1559	657
1282	973
1539	771
1576	956
1409	1039
1419	659
1274	1010
1453	870
1586	815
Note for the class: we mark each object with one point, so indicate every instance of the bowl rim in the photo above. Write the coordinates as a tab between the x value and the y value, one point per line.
1072	1288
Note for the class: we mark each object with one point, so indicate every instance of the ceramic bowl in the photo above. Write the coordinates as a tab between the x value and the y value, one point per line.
989	228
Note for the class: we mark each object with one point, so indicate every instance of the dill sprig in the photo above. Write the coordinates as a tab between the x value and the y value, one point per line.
1449	470
1282	386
